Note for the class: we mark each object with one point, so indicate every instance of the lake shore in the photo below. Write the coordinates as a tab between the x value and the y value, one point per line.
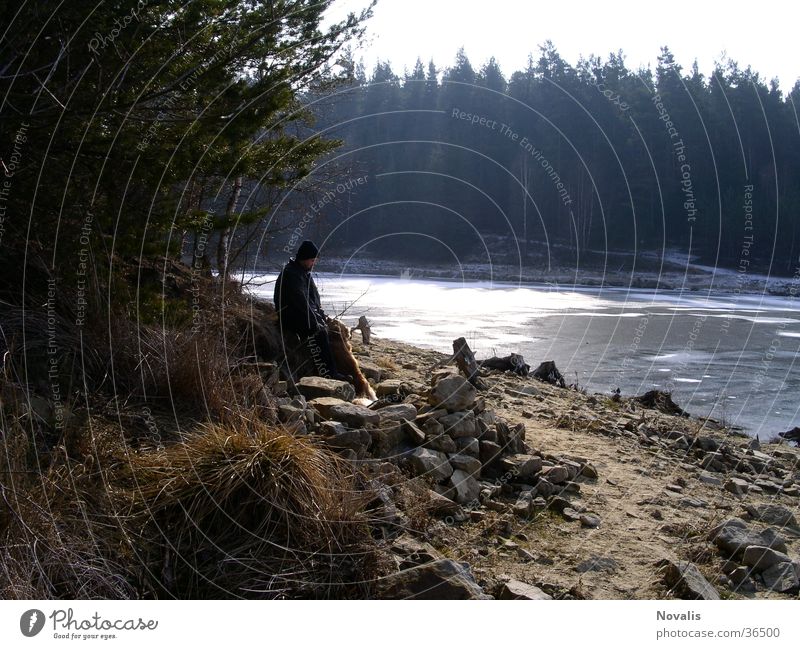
659	485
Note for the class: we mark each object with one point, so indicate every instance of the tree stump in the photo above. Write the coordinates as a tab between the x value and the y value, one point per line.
364	327
513	363
465	359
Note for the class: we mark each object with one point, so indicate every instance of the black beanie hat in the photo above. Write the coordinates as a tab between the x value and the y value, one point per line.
307	250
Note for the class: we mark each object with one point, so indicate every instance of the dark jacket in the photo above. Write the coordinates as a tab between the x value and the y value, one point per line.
297	301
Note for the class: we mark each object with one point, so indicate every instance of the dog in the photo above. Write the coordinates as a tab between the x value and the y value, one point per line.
346	363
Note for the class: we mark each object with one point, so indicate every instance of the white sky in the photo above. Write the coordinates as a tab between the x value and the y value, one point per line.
761	34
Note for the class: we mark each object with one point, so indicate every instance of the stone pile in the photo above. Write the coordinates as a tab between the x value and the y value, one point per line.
444	434
758	557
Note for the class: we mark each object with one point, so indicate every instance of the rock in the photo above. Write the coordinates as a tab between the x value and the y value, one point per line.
453	392
469	446
460	424
524	504
388	440
709	478
323	405
440	505
398	412
398	387
693	502
352	414
772	515
430	463
760	558
432	427
781	578
489	452
733	536
370	370
686	580
466	463
511	439
442	579
521	466
590	520
737	486
331	428
358	440
413	432
514	589
288	413
589	471
466	487
545	488
414	552
312	387
570	514
555	474
597	564
441	442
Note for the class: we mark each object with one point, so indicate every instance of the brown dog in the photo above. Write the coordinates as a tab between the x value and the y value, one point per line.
346	363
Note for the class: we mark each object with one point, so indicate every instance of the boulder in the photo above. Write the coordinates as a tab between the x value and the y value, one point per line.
429	463
466	487
432	427
312	387
352	414
514	589
370	370
489	452
760	558
524	505
772	515
555	474
453	392
323	405
440	505
733	536
389	439
327	428
414	552
686	580
358	440
460	424
413	432
441	442
466	463
545	488
398	387
469	446
737	486
590	520
398	412
781	578
443	579
288	413
521	465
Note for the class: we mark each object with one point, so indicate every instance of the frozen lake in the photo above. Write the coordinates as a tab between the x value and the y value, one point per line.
730	356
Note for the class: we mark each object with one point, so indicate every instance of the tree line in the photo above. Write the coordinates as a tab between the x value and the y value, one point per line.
567	159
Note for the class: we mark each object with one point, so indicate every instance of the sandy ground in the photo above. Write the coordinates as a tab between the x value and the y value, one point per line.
648	495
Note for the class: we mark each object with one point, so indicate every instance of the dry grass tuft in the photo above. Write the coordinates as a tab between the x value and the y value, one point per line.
249	510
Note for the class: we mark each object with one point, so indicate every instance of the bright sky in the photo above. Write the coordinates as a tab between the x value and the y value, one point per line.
760	34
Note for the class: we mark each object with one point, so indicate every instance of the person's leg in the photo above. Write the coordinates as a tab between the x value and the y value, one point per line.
323	358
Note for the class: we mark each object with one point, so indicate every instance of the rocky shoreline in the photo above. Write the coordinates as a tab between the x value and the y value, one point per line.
527	490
